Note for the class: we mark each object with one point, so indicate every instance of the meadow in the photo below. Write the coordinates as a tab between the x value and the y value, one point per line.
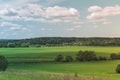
25	60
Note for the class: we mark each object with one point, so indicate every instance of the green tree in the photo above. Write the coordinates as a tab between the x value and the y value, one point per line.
3	63
68	59
79	56
11	45
118	68
59	58
86	56
114	56
102	58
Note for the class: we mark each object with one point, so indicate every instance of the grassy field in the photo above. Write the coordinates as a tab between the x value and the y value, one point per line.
103	69
49	53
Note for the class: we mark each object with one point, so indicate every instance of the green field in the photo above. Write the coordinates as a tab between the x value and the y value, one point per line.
103	69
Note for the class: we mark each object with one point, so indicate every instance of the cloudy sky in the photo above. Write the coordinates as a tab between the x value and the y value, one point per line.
59	18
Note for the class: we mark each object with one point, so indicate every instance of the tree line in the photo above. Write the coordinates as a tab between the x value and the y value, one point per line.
82	56
88	56
59	41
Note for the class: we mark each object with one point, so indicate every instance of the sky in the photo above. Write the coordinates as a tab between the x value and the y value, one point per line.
20	19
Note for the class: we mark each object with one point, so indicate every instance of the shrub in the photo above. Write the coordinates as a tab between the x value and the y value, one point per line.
102	58
118	68
114	56
86	56
68	59
59	58
3	63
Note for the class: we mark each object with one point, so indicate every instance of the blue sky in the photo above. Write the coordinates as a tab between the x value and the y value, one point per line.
59	18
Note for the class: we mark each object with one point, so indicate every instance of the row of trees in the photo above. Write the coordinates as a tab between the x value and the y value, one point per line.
60	41
86	56
81	56
13	45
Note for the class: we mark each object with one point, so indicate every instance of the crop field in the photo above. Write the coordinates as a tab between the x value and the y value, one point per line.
26	58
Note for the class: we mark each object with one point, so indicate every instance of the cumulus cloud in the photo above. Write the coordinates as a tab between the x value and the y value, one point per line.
99	13
34	12
94	9
57	11
8	12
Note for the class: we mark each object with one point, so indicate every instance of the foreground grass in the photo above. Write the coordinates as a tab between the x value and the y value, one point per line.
26	75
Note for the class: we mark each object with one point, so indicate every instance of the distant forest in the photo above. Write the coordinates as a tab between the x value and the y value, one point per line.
59	41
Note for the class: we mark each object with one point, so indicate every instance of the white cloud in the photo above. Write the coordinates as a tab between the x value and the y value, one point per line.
35	9
71	29
34	12
98	13
107	22
46	29
74	28
8	12
57	12
13	26
94	9
78	22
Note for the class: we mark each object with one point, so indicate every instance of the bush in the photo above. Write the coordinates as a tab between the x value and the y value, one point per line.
114	56
86	56
102	58
118	68
59	58
3	63
68	59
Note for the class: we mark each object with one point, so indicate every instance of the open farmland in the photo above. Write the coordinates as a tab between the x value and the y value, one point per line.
27	58
49	53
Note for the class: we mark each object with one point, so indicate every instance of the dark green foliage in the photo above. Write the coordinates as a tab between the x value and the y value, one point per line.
118	68
102	58
25	45
86	56
60	41
3	63
114	56
68	59
11	45
59	58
